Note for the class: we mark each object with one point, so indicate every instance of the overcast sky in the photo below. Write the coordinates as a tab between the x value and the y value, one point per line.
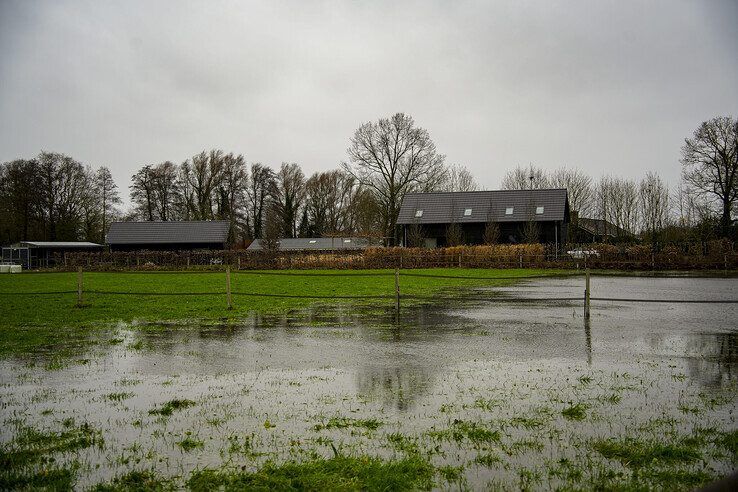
610	87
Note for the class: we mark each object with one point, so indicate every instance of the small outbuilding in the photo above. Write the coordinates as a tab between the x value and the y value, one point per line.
168	235
44	254
318	244
598	230
512	211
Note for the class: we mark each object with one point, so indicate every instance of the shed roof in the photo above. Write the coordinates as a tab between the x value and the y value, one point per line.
601	227
484	206
317	243
169	232
59	244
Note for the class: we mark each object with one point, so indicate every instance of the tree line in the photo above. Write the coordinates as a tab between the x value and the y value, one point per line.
700	207
54	197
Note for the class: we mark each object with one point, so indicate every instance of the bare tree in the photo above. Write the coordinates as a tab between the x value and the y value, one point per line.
20	211
520	179
578	186
392	157
710	164
231	196
654	202
261	186
491	233
164	180
617	203
329	196
415	236
63	184
203	173
290	196
108	197
458	178
143	194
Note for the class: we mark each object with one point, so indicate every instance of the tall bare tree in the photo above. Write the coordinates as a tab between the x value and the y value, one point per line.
393	157
20	212
710	164
261	187
108	197
290	197
520	179
578	186
654	204
143	193
328	202
63	184
458	178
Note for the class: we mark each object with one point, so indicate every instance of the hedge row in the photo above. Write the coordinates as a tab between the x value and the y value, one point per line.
717	255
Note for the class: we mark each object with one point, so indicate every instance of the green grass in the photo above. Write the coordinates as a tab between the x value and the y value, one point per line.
169	407
635	453
341	473
27	462
54	323
136	481
344	422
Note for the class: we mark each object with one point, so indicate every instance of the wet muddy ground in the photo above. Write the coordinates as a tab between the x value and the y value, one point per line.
503	392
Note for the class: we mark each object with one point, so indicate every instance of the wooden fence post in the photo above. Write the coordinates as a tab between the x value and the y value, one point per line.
520	261
79	286
586	296
228	287
397	290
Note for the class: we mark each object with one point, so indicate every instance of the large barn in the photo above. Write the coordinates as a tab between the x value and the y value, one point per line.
168	235
511	210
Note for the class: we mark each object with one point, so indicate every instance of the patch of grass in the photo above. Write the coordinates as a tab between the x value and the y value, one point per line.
169	407
45	479
118	397
31	446
57	326
635	453
527	422
576	411
345	422
729	441
189	443
472	431
488	459
336	474
136	481
25	460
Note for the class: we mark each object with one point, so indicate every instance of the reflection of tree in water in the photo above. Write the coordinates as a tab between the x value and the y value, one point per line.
397	386
718	365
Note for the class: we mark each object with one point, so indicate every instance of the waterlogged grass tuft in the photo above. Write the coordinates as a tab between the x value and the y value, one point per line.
169	407
341	473
576	411
26	462
345	422
136	480
635	453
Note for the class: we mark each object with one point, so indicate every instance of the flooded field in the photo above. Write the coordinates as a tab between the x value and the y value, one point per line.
502	393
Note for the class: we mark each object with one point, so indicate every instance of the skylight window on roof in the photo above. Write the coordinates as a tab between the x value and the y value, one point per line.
509	210
539	210
467	212
312	241
418	213
347	240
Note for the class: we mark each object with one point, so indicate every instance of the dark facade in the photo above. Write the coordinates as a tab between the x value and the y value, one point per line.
168	235
44	254
513	212
586	230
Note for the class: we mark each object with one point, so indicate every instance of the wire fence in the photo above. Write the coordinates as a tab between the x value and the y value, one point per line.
397	297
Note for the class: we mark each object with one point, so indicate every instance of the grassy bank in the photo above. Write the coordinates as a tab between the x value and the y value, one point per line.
32	317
